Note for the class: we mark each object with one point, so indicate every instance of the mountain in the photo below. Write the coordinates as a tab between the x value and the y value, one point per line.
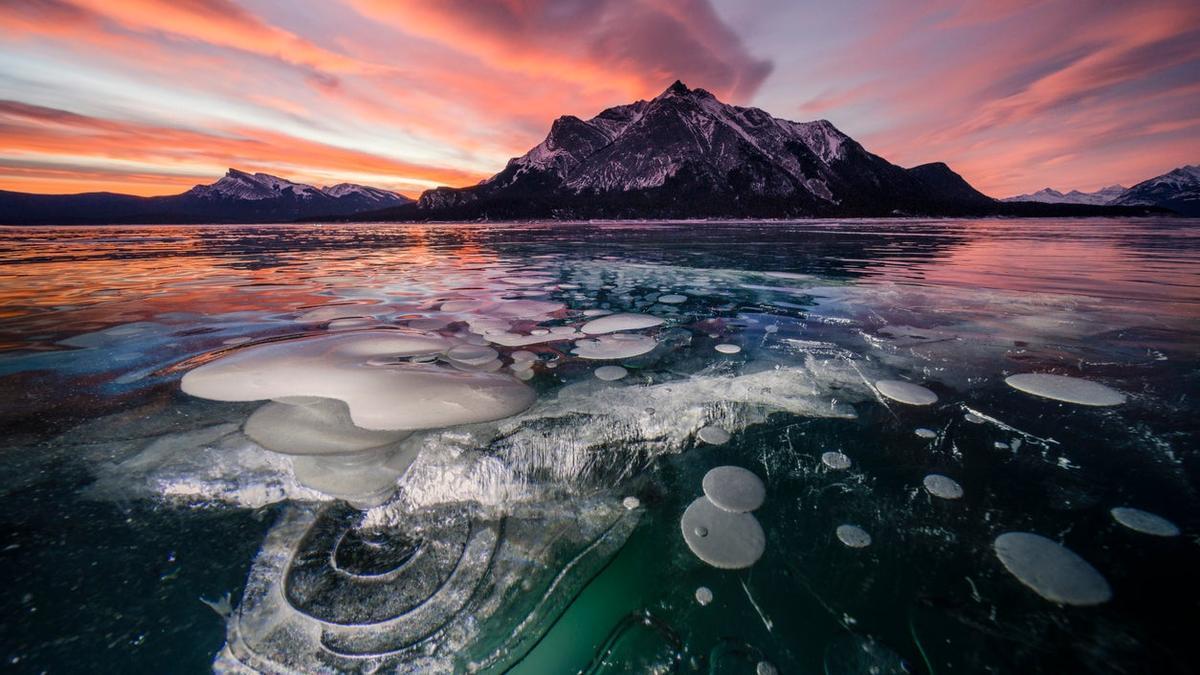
686	154
1051	196
1178	190
238	197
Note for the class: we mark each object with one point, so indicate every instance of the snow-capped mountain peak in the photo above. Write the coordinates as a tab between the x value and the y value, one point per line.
1100	197
1178	190
368	193
691	142
245	186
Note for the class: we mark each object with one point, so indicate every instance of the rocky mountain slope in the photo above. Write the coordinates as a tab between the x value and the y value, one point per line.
238	197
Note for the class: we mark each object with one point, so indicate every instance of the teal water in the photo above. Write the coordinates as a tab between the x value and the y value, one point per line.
125	501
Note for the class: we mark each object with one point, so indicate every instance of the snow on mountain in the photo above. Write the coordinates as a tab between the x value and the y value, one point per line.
1178	190
1102	196
685	147
241	185
367	193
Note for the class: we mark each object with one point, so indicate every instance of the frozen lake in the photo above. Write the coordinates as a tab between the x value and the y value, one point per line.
470	447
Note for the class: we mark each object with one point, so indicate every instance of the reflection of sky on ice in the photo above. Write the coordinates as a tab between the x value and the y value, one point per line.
820	313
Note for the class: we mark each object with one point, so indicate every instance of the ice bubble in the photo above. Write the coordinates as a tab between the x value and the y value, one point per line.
906	392
522	356
619	322
610	373
943	486
596	312
765	668
704	595
733	488
835	460
473	355
1053	571
620	346
507	339
672	299
401	395
631	502
926	433
1068	389
364	480
853	536
729	540
1144	522
526	374
317	426
973	418
726	348
713	435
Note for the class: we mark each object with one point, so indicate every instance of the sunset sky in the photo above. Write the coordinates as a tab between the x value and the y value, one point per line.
152	97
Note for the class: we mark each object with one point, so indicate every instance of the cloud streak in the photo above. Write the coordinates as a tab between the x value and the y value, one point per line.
151	97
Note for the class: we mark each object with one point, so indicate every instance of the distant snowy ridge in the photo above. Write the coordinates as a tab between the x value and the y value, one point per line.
237	197
1104	195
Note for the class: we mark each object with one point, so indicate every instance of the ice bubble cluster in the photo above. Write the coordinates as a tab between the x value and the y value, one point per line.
1053	571
853	536
722	538
313	426
718	527
368	372
906	392
610	373
835	460
733	488
942	486
1144	522
620	322
713	435
1068	389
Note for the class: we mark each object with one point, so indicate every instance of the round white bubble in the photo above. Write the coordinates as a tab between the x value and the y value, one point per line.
1053	571
835	460
942	486
906	392
620	322
1067	389
704	595
613	347
722	538
713	435
631	502
610	373
1144	522
853	536
733	488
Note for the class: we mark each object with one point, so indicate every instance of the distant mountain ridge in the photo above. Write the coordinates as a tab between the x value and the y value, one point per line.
237	197
1177	190
1051	196
685	154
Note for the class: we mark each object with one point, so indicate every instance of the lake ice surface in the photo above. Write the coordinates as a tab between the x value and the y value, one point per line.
470	490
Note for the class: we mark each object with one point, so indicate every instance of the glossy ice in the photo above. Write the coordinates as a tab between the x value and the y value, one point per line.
500	514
